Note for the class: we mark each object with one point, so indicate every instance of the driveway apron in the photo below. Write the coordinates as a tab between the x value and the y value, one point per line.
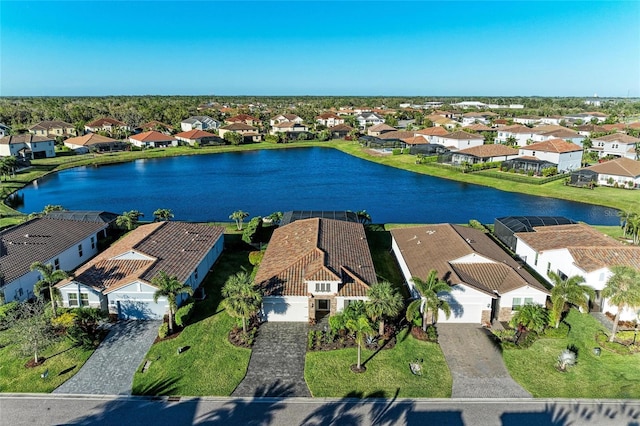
476	364
110	369
276	367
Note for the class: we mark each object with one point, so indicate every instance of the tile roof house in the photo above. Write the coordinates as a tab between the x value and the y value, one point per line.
199	136
27	146
430	133
120	278
379	129
243	118
199	122
456	141
340	131
153	139
483	154
106	124
616	145
578	249
487	284
53	129
566	155
64	241
285	118
288	127
314	267
84	144
368	119
621	171
249	132
329	119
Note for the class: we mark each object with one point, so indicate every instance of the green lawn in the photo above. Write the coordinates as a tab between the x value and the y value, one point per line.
606	376
328	374
211	365
63	361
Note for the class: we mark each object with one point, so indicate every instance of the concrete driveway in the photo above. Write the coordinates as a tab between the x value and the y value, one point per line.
110	369
476	363
276	367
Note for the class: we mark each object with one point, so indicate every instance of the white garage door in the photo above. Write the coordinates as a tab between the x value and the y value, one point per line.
471	313
281	309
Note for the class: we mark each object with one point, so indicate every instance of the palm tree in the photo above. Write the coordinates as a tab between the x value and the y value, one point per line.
242	298
532	317
169	287
384	301
429	300
363	217
623	290
238	216
128	220
162	215
570	290
49	278
360	327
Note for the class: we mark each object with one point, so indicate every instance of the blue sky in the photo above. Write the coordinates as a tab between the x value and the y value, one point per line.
499	48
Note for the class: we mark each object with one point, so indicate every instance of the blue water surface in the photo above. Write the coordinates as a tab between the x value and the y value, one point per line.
210	187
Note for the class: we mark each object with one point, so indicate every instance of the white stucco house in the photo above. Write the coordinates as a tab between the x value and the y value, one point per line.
486	283
119	280
521	134
616	145
623	172
153	139
63	239
578	249
27	146
459	140
199	122
566	155
314	267
369	119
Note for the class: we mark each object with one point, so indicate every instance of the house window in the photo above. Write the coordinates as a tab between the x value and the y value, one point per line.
548	267
195	274
517	301
93	243
528	300
56	264
535	261
601	277
323	287
323	305
84	299
80	250
73	299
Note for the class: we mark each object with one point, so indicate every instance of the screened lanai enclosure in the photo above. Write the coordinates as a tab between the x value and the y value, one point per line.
583	177
504	228
527	164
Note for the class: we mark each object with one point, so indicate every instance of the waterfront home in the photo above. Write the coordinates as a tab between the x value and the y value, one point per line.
578	249
243	118
53	129
63	239
107	124
289	127
153	139
200	137
95	142
199	122
329	119
314	267
379	129
340	131
430	133
120	279
621	172
367	119
486	283
616	145
248	132
456	141
483	154
27	146
565	155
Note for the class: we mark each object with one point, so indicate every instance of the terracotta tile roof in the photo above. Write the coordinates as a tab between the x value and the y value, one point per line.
288	125
461	135
416	140
382	127
562	236
490	150
590	259
432	131
40	240
479	128
46	125
396	134
553	145
617	126
173	247
238	126
619	167
518	128
195	134
441	247
635	125
152	136
89	139
341	128
241	117
542	128
562	134
593	128
618	137
328	115
315	248
23	138
106	120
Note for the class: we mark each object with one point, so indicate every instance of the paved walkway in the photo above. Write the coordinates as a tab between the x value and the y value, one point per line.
604	320
276	367
110	369
476	363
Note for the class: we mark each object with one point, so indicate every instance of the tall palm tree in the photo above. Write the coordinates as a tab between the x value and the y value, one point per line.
49	278
429	300
169	287
242	298
623	290
238	216
128	220
384	302
532	317
163	215
570	290
363	217
361	327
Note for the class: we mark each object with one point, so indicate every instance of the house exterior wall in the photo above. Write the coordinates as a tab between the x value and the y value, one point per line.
285	308
342	302
45	146
94	297
522	295
458	143
566	161
467	305
403	267
603	180
135	301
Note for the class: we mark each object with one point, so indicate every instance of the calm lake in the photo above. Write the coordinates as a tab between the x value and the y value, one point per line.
210	187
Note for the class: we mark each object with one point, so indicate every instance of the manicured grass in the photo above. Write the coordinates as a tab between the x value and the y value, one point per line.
328	373
62	361
606	376
211	365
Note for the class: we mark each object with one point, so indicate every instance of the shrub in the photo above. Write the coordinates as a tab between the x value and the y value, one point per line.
255	257
396	151
310	338
163	331
86	331
337	322
64	320
183	313
549	171
6	311
252	228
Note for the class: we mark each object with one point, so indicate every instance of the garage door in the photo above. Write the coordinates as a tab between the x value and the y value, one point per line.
471	313
275	310
129	308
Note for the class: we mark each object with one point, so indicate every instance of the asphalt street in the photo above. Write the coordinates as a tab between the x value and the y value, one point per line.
36	410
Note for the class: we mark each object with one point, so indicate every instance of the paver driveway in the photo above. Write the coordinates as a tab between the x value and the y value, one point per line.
110	369
276	367
476	364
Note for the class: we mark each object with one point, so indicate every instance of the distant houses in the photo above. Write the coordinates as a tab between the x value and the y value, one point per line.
27	146
153	139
